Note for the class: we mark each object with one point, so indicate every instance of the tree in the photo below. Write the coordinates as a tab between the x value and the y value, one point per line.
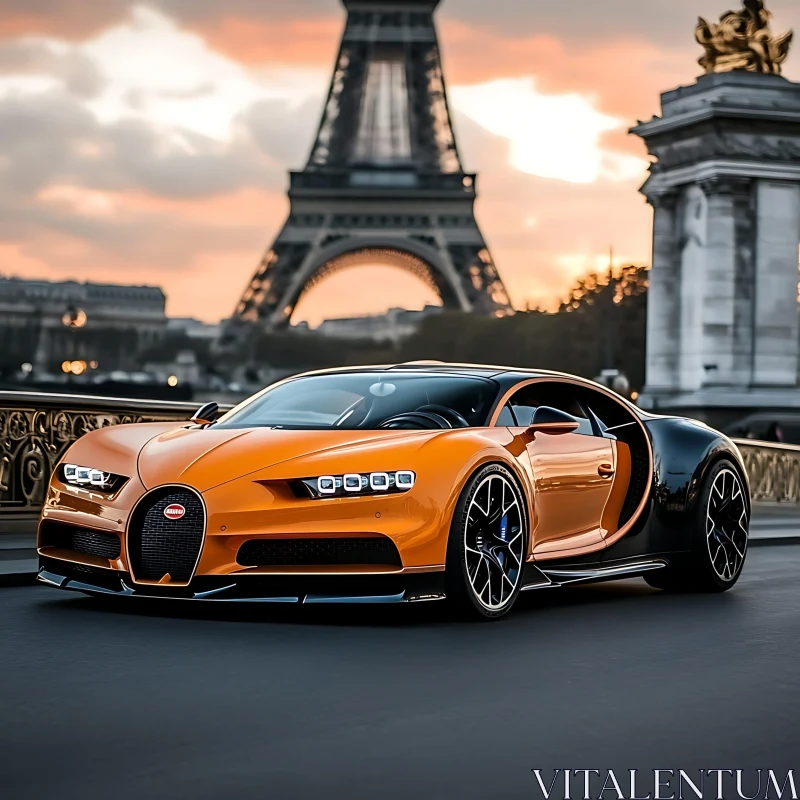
600	325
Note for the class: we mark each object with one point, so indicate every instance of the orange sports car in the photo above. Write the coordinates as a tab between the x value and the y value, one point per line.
398	483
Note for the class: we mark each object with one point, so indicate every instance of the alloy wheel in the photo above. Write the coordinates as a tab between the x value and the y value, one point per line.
726	525
494	542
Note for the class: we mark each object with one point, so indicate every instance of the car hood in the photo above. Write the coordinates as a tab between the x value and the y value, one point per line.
207	457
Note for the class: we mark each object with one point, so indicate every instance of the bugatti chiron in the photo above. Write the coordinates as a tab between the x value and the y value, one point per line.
400	483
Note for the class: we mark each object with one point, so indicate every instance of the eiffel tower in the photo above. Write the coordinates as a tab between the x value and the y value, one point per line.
384	181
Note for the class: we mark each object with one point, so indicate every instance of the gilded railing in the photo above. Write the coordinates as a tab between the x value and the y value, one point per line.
773	469
36	429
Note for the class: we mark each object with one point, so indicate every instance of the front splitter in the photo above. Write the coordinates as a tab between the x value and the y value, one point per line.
313	590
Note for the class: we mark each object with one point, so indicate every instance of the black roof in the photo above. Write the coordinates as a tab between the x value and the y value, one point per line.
506	375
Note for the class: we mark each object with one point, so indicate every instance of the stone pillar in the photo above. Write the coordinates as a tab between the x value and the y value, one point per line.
719	290
776	279
724	340
744	284
693	227
663	297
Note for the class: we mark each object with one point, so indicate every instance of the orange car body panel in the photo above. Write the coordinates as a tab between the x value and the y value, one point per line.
571	494
622	476
246	500
242	476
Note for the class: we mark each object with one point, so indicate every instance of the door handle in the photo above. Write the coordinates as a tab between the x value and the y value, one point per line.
605	470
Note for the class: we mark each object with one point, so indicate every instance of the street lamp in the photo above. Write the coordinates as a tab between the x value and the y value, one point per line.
73	319
74	367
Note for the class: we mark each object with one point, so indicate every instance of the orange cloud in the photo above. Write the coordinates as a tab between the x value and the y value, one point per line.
201	252
306	42
625	75
73	20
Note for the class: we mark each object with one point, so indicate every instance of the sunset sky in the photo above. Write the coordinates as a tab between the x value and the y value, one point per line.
149	142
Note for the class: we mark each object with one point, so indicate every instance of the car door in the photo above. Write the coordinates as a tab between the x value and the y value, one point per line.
572	473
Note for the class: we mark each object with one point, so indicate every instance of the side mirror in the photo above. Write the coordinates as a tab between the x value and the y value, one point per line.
552	421
206	414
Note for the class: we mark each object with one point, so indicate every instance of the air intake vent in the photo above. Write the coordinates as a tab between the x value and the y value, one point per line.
94	543
377	551
80	540
165	535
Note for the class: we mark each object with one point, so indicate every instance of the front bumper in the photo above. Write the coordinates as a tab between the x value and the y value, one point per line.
252	588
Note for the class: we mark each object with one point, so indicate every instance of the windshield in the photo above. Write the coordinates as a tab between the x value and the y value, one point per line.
369	400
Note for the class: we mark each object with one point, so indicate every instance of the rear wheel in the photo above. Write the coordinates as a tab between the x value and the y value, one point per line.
719	538
487	545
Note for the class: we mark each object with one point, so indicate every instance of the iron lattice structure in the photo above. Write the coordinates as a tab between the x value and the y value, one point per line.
384	177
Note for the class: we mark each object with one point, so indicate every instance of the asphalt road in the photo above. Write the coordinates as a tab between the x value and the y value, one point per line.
173	701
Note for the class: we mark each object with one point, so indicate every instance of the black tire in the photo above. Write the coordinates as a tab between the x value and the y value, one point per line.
719	537
490	543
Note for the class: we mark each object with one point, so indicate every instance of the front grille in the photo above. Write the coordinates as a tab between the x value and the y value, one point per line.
318	552
158	546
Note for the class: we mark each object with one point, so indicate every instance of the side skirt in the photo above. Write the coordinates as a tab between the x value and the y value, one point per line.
546	577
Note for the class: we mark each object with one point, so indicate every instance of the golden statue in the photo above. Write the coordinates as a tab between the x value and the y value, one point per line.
743	40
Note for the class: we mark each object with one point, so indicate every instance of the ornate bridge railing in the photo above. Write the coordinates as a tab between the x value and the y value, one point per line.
36	429
774	470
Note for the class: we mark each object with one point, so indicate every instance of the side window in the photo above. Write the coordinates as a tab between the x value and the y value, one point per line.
607	413
562	396
598	426
506	419
523	403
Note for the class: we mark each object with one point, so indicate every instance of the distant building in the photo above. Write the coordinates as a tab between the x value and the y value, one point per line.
180	368
46	323
193	328
395	324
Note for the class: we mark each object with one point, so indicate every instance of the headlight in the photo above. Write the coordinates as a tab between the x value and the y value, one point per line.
91	478
359	483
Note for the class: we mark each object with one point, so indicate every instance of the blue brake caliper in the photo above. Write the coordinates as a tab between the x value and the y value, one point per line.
501	557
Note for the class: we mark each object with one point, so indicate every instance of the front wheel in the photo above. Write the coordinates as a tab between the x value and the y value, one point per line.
487	545
719	538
